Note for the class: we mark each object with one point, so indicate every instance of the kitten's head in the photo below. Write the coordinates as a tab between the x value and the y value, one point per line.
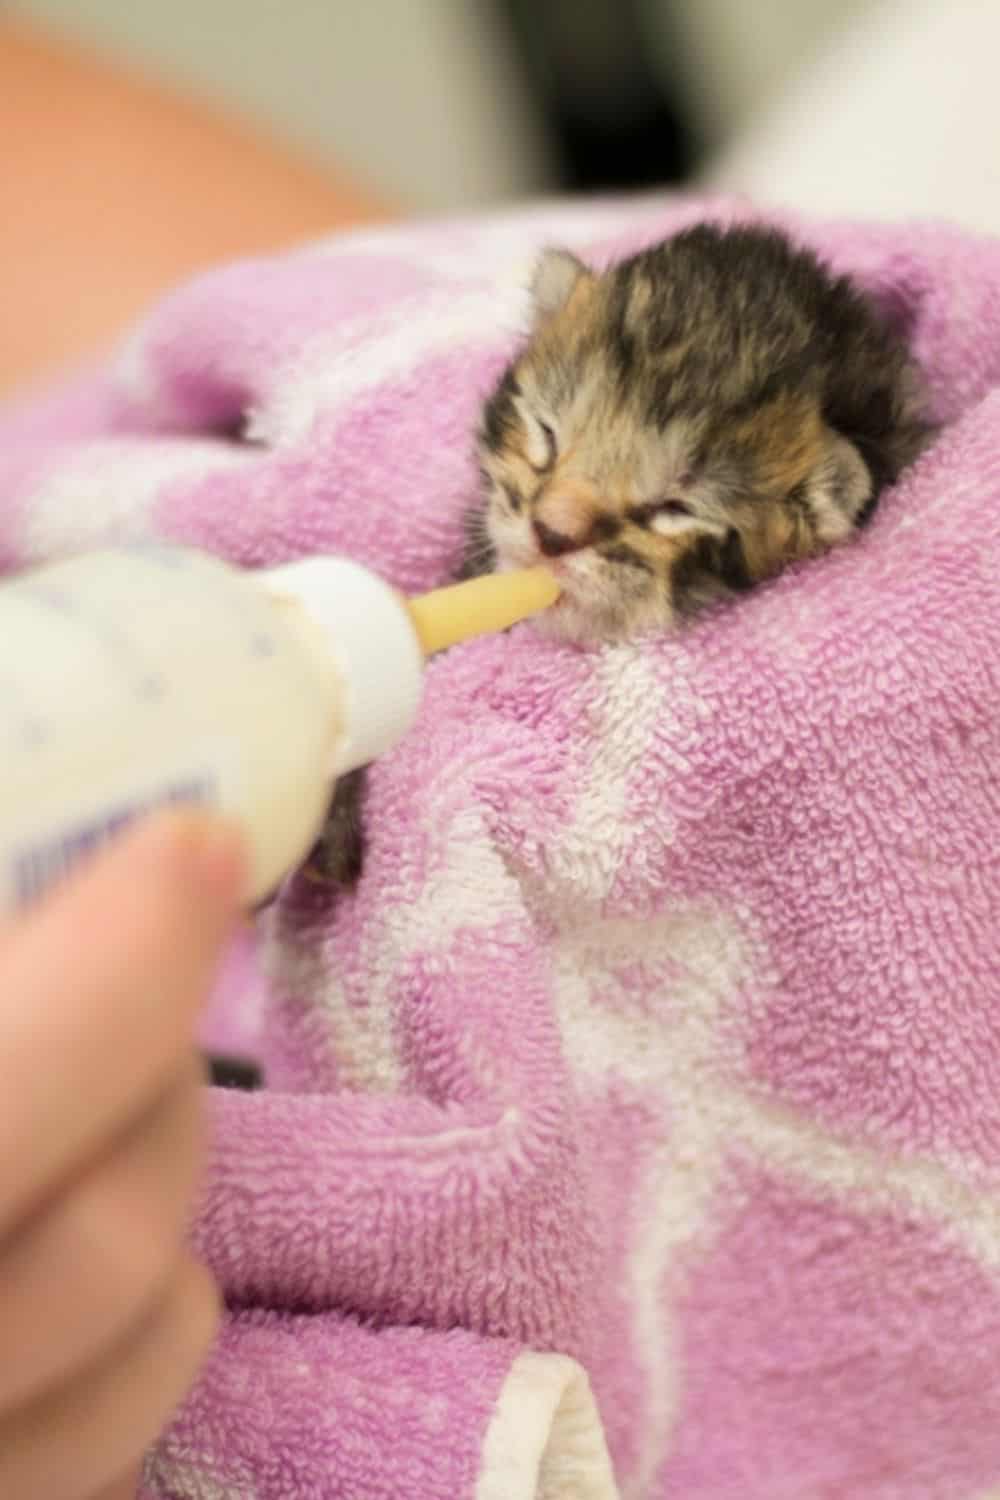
689	423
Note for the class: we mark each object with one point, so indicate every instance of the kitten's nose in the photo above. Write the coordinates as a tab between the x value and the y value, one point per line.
554	543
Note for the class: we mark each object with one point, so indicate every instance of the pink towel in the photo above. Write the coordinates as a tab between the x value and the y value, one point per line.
647	1088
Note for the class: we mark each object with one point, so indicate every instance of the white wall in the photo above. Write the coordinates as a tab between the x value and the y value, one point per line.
899	117
738	53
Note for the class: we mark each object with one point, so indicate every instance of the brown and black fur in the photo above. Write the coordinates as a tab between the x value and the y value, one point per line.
689	423
678	429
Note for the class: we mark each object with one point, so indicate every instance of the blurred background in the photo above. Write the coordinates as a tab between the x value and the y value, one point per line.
140	140
444	103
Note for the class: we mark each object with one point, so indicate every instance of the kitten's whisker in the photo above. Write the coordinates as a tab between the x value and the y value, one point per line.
482	555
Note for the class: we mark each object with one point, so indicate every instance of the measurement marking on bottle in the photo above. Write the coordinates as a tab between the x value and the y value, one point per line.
36	867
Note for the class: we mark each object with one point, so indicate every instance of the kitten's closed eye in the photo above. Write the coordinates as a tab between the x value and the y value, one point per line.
646	515
543	445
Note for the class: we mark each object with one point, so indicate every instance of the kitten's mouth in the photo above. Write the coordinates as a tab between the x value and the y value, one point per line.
509	559
564	576
561	571
512	558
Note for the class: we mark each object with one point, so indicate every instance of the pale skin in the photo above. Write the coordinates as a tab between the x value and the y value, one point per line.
104	1316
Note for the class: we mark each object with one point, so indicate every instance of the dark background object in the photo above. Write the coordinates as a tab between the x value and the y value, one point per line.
234	1073
614	120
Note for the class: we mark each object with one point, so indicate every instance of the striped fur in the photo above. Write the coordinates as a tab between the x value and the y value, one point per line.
688	424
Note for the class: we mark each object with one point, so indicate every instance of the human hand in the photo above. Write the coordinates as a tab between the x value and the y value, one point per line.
104	1318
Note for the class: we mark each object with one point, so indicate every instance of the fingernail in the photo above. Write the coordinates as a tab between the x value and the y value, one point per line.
203	848
221	856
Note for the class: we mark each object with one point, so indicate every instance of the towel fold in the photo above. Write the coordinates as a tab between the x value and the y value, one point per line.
400	1412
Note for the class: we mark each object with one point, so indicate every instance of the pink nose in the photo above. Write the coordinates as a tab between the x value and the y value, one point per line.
554	543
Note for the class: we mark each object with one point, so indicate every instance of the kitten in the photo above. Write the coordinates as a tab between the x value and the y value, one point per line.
675	430
687	424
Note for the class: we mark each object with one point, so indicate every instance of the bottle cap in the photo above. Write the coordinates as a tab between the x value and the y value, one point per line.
373	646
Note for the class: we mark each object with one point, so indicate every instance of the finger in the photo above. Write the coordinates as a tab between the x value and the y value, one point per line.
77	1440
126	1488
98	991
80	1273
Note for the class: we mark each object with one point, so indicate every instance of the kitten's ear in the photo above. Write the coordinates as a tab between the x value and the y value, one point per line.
838	489
557	272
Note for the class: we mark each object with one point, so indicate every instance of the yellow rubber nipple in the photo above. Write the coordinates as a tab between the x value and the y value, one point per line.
480	606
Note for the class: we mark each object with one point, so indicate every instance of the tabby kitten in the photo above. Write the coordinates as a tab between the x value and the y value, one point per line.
687	424
675	430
